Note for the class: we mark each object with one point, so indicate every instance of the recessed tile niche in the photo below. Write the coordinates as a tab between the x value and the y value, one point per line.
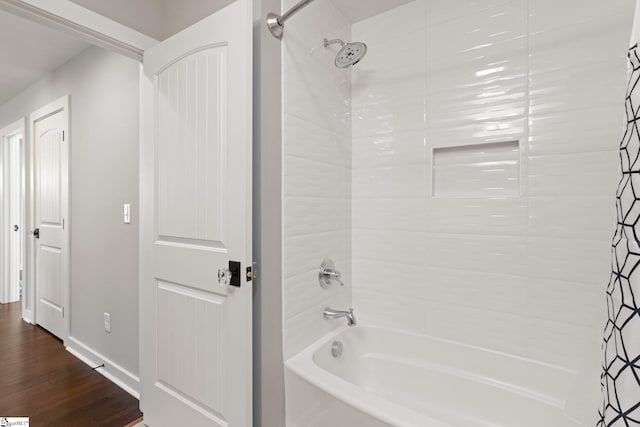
478	170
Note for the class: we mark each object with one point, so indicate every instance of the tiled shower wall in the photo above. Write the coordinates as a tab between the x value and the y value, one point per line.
505	245
317	169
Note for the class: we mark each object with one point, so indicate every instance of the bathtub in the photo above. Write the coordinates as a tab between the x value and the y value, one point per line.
390	378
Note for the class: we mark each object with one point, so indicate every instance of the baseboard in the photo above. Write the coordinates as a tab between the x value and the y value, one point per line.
112	371
27	316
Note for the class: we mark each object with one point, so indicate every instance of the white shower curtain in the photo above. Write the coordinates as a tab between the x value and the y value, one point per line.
621	347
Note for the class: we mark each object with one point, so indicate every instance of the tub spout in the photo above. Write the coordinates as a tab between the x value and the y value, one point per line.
330	313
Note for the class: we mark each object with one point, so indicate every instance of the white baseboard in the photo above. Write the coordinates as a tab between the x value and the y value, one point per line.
112	371
27	316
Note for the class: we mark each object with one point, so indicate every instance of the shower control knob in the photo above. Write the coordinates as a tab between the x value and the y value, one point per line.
328	273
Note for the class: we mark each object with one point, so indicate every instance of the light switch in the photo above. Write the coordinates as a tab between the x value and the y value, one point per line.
107	322
127	213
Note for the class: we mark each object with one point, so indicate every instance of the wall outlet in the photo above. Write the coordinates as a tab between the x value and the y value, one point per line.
107	322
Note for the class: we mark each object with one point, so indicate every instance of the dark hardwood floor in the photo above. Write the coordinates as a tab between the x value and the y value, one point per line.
41	380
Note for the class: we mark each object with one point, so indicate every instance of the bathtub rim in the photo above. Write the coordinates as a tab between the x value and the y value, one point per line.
303	365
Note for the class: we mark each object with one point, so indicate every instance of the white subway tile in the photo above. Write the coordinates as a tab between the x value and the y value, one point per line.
571	260
598	128
308	178
553	51
488	254
402	247
308	215
494	33
558	343
573	217
401	114
577	17
305	252
565	302
439	11
579	174
405	181
305	328
561	90
392	149
389	214
309	141
483	291
304	293
485	328
497	216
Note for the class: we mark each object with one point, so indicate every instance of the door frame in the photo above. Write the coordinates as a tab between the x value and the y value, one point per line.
60	104
12	130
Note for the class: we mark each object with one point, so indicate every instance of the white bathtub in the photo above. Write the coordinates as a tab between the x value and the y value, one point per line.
391	378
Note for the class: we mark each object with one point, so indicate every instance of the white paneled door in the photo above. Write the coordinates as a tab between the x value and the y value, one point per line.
196	222
50	145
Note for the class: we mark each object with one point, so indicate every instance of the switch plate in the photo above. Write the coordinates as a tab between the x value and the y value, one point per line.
127	213
107	322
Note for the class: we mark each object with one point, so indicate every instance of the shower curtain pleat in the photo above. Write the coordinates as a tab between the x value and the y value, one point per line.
620	377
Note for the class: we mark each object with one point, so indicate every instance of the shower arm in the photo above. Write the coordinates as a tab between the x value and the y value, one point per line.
328	43
275	22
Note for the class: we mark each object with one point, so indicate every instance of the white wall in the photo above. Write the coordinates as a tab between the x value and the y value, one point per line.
525	274
268	363
146	16
104	90
156	18
179	14
317	172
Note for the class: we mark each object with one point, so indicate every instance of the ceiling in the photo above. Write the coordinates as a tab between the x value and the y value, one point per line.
28	52
357	10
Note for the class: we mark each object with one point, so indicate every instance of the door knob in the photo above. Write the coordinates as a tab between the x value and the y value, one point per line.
230	276
16	228
224	276
36	233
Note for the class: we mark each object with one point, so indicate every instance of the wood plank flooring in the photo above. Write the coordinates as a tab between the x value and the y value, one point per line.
41	380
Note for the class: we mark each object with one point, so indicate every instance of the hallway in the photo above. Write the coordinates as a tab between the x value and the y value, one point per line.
41	380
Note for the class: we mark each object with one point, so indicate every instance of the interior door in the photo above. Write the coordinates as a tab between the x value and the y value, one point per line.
51	197
196	218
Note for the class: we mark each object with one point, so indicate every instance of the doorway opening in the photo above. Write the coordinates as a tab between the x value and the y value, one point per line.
12	238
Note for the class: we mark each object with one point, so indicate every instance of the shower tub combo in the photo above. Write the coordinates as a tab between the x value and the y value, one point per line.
376	377
368	376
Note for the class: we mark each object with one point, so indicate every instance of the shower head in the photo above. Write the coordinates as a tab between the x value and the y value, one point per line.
349	54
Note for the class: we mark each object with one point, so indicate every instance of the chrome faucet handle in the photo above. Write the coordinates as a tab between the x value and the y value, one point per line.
328	273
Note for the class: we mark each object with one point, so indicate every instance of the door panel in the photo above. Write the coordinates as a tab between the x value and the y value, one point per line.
191	188
51	161
195	218
50	150
191	376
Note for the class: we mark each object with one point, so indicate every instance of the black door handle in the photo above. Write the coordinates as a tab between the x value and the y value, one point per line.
36	233
16	228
